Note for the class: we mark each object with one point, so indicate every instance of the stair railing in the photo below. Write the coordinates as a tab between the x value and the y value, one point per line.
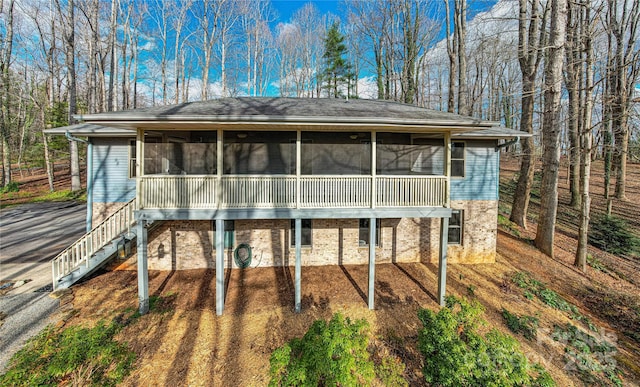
78	254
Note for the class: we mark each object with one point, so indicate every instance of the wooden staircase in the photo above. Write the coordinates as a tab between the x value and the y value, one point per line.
95	248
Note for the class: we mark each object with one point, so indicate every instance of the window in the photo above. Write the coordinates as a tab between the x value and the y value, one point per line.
229	234
457	159
455	227
305	235
364	233
132	159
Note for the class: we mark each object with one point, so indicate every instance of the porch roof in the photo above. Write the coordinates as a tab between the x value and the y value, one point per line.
261	113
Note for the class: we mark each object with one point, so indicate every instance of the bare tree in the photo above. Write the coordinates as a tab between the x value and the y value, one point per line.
531	40
207	14
460	34
227	19
452	53
586	133
7	46
551	128
111	95
573	74
623	24
178	23
68	33
371	19
254	19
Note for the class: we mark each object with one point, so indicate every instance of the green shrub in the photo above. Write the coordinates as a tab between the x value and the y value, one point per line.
612	234
527	325
11	187
508	225
390	372
590	358
532	287
88	356
329	354
456	354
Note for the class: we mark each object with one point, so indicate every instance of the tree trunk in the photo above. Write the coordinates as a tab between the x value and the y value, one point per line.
573	68
452	53
551	129
586	142
531	39
5	98
522	193
461	35
69	38
112	49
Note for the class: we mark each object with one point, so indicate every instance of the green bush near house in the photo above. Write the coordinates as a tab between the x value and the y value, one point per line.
331	353
74	356
455	354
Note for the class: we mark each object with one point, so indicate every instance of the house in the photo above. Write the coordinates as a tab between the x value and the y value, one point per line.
292	181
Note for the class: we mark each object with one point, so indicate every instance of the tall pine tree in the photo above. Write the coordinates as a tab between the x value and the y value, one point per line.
336	71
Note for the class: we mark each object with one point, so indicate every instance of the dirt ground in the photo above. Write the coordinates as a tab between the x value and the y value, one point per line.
183	342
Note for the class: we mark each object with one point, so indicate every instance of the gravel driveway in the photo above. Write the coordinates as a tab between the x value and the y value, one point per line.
30	236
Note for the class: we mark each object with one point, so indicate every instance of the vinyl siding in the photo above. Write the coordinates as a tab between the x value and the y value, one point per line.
111	183
481	173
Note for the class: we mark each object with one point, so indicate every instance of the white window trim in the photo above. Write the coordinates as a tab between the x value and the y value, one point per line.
292	235
464	159
458	227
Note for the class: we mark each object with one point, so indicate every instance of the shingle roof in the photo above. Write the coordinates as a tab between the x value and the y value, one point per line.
260	109
270	113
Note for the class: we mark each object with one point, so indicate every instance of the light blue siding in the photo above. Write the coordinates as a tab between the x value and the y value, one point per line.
481	173
111	183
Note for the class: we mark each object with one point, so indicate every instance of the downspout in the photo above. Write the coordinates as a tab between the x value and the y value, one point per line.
89	220
507	143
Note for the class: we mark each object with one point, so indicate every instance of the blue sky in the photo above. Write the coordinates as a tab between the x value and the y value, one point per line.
286	8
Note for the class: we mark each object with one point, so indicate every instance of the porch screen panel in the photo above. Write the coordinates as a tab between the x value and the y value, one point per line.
259	153
332	153
409	154
152	156
187	154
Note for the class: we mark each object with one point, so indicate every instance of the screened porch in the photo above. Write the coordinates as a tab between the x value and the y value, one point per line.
293	169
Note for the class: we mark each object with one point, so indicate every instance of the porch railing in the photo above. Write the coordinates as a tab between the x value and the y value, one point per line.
280	191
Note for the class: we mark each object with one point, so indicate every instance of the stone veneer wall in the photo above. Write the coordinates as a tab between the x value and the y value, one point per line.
179	245
480	230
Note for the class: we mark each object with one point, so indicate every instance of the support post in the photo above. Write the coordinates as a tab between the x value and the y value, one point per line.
89	225
143	270
219	166
374	163
447	167
442	264
298	270
219	266
139	167
372	260
298	166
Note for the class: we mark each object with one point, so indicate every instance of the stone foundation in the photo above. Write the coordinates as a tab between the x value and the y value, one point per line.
479	233
179	245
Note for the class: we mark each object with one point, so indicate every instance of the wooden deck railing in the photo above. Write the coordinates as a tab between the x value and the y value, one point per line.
414	191
80	251
280	191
